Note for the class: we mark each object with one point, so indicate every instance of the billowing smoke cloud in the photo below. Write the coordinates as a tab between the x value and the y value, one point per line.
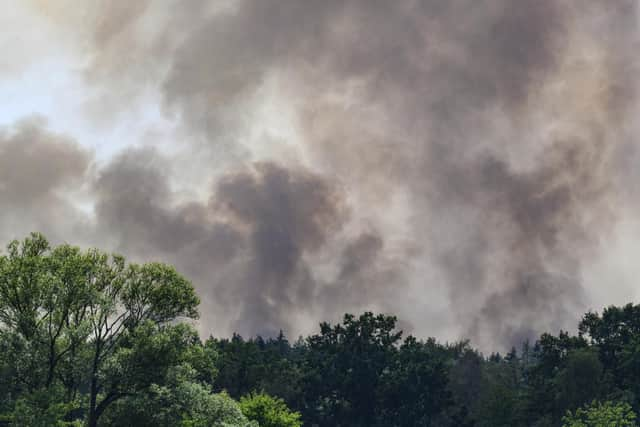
247	243
40	171
287	215
464	156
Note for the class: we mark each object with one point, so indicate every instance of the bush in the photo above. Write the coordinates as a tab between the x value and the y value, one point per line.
269	411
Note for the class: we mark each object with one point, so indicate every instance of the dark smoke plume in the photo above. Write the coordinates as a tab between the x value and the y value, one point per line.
40	171
456	162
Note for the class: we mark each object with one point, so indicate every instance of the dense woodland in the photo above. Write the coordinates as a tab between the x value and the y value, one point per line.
89	339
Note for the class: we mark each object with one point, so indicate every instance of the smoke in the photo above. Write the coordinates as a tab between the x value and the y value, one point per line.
40	171
245	246
457	163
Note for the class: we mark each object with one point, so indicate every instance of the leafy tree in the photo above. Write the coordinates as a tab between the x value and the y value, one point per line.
413	391
601	414
41	409
579	380
270	365
616	335
465	382
240	365
268	411
89	339
179	400
547	377
612	331
347	363
67	316
499	402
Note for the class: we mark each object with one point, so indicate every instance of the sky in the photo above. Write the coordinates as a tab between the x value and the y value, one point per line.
470	166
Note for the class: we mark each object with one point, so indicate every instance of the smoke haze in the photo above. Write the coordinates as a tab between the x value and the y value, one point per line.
469	165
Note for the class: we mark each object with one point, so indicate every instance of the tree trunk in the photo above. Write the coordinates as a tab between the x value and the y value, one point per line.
93	415
93	396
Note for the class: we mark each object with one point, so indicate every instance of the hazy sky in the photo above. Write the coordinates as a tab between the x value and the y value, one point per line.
471	166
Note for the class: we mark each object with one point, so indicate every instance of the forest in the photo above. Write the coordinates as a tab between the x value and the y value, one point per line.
89	339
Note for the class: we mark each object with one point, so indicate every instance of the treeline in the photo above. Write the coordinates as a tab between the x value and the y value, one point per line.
88	339
363	373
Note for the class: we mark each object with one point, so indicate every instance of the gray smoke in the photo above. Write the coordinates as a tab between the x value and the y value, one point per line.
481	149
39	172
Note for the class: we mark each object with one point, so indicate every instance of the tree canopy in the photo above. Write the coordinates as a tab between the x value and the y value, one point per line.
83	333
601	414
87	338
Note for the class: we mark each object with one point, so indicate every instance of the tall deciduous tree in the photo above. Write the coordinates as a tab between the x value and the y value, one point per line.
70	315
348	362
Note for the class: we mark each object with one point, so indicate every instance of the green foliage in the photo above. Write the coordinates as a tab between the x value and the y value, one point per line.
84	329
498	404
413	388
616	335
177	400
578	381
347	364
88	339
601	414
360	373
270	365
268	411
42	409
